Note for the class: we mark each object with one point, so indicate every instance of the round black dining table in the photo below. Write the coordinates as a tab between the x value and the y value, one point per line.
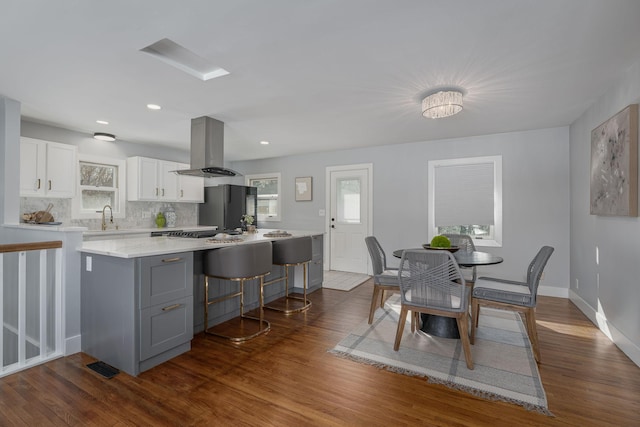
446	327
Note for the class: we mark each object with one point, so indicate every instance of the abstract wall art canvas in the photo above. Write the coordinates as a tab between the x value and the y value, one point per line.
614	165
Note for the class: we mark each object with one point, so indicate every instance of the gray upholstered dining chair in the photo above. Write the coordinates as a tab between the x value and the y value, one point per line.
431	283
512	295
465	243
384	278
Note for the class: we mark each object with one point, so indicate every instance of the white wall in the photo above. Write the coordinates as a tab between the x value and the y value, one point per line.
607	291
535	194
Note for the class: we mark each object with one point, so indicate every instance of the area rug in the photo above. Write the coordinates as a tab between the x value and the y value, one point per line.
343	280
504	366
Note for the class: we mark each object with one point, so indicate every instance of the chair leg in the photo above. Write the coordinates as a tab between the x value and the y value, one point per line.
382	298
530	321
401	319
463	321
413	321
374	302
475	314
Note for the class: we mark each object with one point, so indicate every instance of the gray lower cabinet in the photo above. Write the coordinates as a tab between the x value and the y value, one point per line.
316	271
137	313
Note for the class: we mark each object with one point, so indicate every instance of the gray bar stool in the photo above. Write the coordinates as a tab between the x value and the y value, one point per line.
288	253
238	263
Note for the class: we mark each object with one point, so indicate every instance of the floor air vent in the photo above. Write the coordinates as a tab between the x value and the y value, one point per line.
103	369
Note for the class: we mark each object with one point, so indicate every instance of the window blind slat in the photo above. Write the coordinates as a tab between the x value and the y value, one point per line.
464	194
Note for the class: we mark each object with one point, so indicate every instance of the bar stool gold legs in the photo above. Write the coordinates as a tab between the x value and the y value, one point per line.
289	253
238	264
246	325
287	304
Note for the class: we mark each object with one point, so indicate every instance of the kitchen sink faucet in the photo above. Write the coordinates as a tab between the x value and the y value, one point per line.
104	223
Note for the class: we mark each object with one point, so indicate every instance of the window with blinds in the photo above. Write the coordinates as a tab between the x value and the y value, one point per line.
465	197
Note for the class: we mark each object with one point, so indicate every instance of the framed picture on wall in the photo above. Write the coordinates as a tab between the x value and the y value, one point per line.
614	165
303	189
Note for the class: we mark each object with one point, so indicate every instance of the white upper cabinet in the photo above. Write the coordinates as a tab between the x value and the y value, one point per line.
168	179
191	188
155	180
47	169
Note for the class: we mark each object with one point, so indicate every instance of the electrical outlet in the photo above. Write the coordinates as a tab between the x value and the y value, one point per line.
146	215
577	284
89	263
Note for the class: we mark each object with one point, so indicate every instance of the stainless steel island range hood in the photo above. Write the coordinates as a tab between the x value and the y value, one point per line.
207	149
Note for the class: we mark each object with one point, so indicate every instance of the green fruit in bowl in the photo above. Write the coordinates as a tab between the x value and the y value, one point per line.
440	242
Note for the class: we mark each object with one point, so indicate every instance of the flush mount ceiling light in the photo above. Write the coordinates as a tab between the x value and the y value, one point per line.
154	107
442	104
104	136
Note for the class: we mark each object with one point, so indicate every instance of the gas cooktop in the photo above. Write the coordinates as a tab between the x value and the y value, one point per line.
198	234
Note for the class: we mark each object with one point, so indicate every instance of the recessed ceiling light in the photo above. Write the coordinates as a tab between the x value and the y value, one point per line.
104	136
264	142
153	107
102	122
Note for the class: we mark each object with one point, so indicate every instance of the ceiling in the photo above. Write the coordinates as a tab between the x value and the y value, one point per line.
313	75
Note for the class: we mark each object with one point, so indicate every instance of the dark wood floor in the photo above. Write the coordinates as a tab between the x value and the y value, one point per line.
287	378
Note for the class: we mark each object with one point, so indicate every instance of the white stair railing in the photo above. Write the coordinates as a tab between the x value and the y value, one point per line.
30	304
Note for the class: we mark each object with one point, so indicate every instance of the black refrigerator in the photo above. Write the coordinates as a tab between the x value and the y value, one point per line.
225	204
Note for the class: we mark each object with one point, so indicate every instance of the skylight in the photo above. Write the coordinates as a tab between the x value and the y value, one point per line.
183	59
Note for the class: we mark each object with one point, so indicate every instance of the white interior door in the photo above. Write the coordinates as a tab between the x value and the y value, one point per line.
349	217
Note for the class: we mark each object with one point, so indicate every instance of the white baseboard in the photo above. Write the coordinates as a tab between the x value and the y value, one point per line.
72	345
627	346
553	291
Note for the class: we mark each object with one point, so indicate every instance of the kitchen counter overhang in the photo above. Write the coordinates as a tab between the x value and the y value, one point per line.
162	245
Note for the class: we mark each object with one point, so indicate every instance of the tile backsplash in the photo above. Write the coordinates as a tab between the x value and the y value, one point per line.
186	213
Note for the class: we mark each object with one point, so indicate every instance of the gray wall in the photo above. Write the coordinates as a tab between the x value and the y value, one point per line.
87	145
535	194
607	291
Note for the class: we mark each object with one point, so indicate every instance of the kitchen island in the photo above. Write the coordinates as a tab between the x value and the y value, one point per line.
142	298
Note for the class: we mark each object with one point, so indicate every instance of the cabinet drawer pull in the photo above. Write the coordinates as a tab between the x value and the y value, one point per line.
49	184
38	184
156	191
171	307
172	259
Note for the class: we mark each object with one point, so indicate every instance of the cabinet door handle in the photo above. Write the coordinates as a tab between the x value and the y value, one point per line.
49	184
163	192
156	191
38	184
172	259
171	307
181	193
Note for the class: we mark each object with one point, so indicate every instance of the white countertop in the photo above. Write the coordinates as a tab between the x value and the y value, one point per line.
108	232
147	246
45	227
120	231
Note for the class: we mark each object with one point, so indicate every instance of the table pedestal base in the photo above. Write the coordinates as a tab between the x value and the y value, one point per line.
443	327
